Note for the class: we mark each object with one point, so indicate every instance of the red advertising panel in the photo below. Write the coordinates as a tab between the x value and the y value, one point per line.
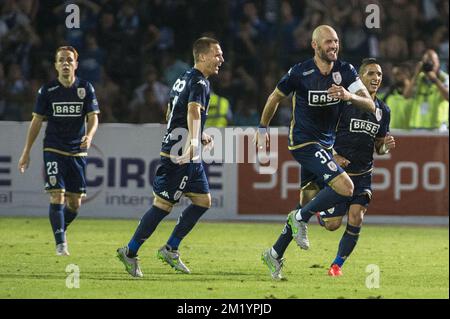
412	180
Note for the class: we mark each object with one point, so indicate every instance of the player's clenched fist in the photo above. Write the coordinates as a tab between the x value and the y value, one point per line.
24	161
86	142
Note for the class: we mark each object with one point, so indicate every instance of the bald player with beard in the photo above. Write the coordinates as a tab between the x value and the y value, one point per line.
321	87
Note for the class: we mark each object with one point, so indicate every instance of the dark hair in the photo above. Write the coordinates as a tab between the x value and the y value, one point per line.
202	46
365	62
67	48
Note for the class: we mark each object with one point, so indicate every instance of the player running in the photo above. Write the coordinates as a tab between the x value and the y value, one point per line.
181	172
65	103
321	86
359	133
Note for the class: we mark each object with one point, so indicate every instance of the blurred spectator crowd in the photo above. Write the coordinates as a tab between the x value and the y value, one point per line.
133	51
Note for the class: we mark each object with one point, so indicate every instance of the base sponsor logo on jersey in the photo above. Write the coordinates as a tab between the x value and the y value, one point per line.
326	176
332	166
52	180
361	126
64	109
81	93
337	77
321	98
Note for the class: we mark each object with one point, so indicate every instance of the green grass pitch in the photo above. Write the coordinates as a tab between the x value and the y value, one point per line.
225	262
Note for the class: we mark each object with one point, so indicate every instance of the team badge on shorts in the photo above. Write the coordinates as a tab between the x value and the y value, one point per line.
378	114
52	180
177	195
337	77
332	166
81	93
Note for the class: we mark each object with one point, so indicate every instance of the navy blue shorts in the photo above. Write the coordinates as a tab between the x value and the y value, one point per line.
65	173
173	180
362	194
317	165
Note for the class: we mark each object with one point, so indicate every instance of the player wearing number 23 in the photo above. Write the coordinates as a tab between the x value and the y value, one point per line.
65	103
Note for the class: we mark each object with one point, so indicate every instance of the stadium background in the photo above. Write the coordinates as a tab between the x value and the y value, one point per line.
124	44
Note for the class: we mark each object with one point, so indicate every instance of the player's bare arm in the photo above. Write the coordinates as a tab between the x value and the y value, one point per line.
360	99
193	121
269	111
383	145
33	131
92	125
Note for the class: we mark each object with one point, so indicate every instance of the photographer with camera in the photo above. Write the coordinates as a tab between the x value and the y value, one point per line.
429	90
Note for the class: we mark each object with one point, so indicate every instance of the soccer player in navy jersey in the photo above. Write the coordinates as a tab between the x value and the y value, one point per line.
321	86
358	134
181	171
65	103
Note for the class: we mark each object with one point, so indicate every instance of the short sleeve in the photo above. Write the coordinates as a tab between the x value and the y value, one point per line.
289	82
40	108
198	92
91	100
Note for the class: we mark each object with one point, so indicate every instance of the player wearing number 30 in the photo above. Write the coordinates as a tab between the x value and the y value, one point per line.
321	86
181	171
65	103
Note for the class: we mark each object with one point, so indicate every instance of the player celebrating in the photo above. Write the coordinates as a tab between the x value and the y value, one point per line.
180	172
359	133
320	86
65	103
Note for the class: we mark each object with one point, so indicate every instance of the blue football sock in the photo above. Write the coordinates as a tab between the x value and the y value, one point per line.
283	241
56	216
69	216
325	199
186	222
146	227
347	244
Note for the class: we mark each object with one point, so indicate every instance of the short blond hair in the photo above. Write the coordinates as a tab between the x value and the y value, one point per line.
67	48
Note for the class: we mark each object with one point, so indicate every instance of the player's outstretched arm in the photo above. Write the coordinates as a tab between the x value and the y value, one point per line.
361	98
33	131
274	99
91	129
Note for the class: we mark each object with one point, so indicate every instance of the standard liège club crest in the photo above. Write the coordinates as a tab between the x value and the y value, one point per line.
52	180
378	114
337	77
81	93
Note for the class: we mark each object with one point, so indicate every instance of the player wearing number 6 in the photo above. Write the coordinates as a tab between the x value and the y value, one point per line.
65	103
321	86
181	171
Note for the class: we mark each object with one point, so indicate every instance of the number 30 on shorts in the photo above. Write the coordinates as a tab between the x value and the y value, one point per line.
52	168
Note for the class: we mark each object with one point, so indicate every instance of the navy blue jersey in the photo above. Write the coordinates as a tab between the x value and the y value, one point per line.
356	134
315	114
192	86
65	110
